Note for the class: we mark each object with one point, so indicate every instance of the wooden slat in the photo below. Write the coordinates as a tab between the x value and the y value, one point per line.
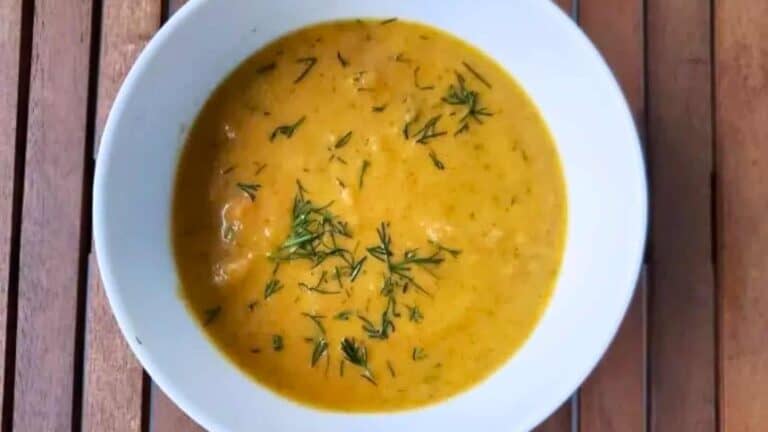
113	377
566	5
50	250
560	421
682	308
613	398
741	71
166	417
10	54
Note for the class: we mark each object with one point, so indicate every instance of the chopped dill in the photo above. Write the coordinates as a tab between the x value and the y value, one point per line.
427	132
388	21
379	108
391	369
356	354
356	268
309	63
344	140
317	320
418	354
343	315
401	58
459	94
249	189
363	170
477	74
387	325
286	130
277	342
269	67
344	62
317	286
320	349
414	314
272	287
438	164
260	169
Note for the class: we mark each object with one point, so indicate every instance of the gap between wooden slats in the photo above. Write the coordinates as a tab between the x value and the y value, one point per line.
114	390
614	397
52	254
15	58
741	114
682	304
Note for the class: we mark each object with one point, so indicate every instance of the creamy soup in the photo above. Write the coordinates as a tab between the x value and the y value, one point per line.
368	216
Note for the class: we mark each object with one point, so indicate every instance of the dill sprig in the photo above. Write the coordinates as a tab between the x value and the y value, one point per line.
343	315
249	189
269	67
272	287
363	170
477	74
425	133
317	286
414	313
344	62
320	342
314	233
387	325
277	342
344	140
309	63
418	354
435	161
388	21
460	95
379	108
286	130
356	354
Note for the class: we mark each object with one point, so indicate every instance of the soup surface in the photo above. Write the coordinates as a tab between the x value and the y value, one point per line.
368	216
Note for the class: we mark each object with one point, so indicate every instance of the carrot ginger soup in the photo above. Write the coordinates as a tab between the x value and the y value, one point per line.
368	216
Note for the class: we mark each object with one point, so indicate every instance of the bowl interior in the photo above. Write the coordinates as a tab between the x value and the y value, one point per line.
536	43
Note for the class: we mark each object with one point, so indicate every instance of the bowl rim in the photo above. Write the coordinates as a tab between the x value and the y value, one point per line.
105	262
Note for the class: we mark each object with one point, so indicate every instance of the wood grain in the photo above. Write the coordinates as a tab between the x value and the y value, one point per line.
10	46
166	417
113	377
50	248
741	62
560	421
614	397
682	308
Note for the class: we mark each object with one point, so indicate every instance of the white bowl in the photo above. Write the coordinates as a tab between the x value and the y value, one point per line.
536	43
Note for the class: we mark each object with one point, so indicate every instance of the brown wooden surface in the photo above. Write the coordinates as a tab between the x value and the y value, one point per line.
741	49
50	274
682	307
114	379
10	49
702	301
614	397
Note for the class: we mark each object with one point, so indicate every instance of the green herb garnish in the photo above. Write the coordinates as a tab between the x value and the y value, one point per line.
273	286
363	170
427	132
388	21
317	286
379	108
356	268
418	354
391	369
309	63
459	94
286	130
387	325
342	60
414	314
477	74
438	164
249	189
343	315
277	342
344	140
356	354
321	347
317	320
266	68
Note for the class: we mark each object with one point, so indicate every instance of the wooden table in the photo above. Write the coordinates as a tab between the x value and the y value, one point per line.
691	355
